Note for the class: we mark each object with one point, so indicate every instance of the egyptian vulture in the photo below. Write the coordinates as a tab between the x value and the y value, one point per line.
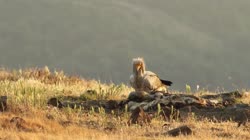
142	80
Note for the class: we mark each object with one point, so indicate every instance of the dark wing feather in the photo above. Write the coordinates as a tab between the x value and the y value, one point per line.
165	82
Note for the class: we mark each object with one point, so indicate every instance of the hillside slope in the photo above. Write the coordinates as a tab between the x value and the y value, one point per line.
194	42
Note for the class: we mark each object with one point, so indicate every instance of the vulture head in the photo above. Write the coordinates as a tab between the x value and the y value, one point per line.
138	66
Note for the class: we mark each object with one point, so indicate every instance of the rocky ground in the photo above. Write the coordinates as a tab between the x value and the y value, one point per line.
38	104
219	107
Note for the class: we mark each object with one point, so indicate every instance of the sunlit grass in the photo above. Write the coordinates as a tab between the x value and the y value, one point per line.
29	90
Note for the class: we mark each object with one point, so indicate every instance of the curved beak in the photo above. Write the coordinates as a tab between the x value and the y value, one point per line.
138	66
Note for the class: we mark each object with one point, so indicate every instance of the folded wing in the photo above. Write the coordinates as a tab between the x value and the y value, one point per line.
152	83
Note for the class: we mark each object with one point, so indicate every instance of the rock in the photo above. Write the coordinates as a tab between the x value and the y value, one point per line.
3	103
133	105
242	117
149	106
133	96
139	96
157	95
182	100
138	116
182	130
112	104
55	102
233	94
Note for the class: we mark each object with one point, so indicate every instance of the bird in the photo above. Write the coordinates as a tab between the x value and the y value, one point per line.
146	81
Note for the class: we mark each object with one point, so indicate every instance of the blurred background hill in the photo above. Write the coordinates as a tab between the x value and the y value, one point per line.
189	42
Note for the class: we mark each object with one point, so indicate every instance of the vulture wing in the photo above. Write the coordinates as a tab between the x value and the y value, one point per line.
151	82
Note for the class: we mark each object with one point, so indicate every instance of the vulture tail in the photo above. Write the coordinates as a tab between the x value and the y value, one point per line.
165	82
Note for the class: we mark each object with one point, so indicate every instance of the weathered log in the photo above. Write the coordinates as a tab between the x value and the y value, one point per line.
182	130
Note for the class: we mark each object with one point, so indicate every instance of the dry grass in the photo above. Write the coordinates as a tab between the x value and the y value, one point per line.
98	127
29	90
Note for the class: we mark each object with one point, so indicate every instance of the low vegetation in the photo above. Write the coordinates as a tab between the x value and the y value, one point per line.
29	117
